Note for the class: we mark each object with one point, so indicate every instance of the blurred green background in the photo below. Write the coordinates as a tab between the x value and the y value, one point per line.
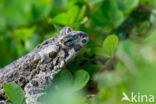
119	57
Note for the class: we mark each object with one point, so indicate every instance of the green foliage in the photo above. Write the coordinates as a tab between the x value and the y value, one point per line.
14	93
81	79
127	5
63	96
66	86
67	18
119	57
24	34
66	79
109	45
140	65
19	12
109	15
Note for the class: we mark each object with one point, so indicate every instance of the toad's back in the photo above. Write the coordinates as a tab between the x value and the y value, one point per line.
35	71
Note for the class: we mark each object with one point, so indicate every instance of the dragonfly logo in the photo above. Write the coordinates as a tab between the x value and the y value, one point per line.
137	98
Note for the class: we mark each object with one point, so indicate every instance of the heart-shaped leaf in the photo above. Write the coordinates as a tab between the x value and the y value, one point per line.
110	44
67	18
63	79
81	79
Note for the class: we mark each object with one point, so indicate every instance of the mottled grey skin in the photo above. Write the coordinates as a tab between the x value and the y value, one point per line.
35	71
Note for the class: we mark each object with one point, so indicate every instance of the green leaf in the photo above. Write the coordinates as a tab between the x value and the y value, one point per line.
112	13
151	38
127	5
110	44
72	14
108	79
61	19
20	12
70	3
84	20
67	18
14	92
82	12
41	8
90	68
24	33
109	15
101	52
81	79
63	79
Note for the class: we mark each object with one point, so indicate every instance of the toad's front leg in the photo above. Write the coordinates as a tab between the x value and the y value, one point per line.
36	87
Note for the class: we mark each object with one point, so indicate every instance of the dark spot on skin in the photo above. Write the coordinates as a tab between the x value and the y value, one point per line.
26	67
37	58
84	41
69	30
2	99
16	82
77	47
12	75
48	80
37	71
45	42
33	66
50	65
47	60
57	61
65	62
52	54
34	83
28	86
23	80
30	92
66	52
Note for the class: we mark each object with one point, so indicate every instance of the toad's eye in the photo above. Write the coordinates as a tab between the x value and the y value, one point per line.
68	41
